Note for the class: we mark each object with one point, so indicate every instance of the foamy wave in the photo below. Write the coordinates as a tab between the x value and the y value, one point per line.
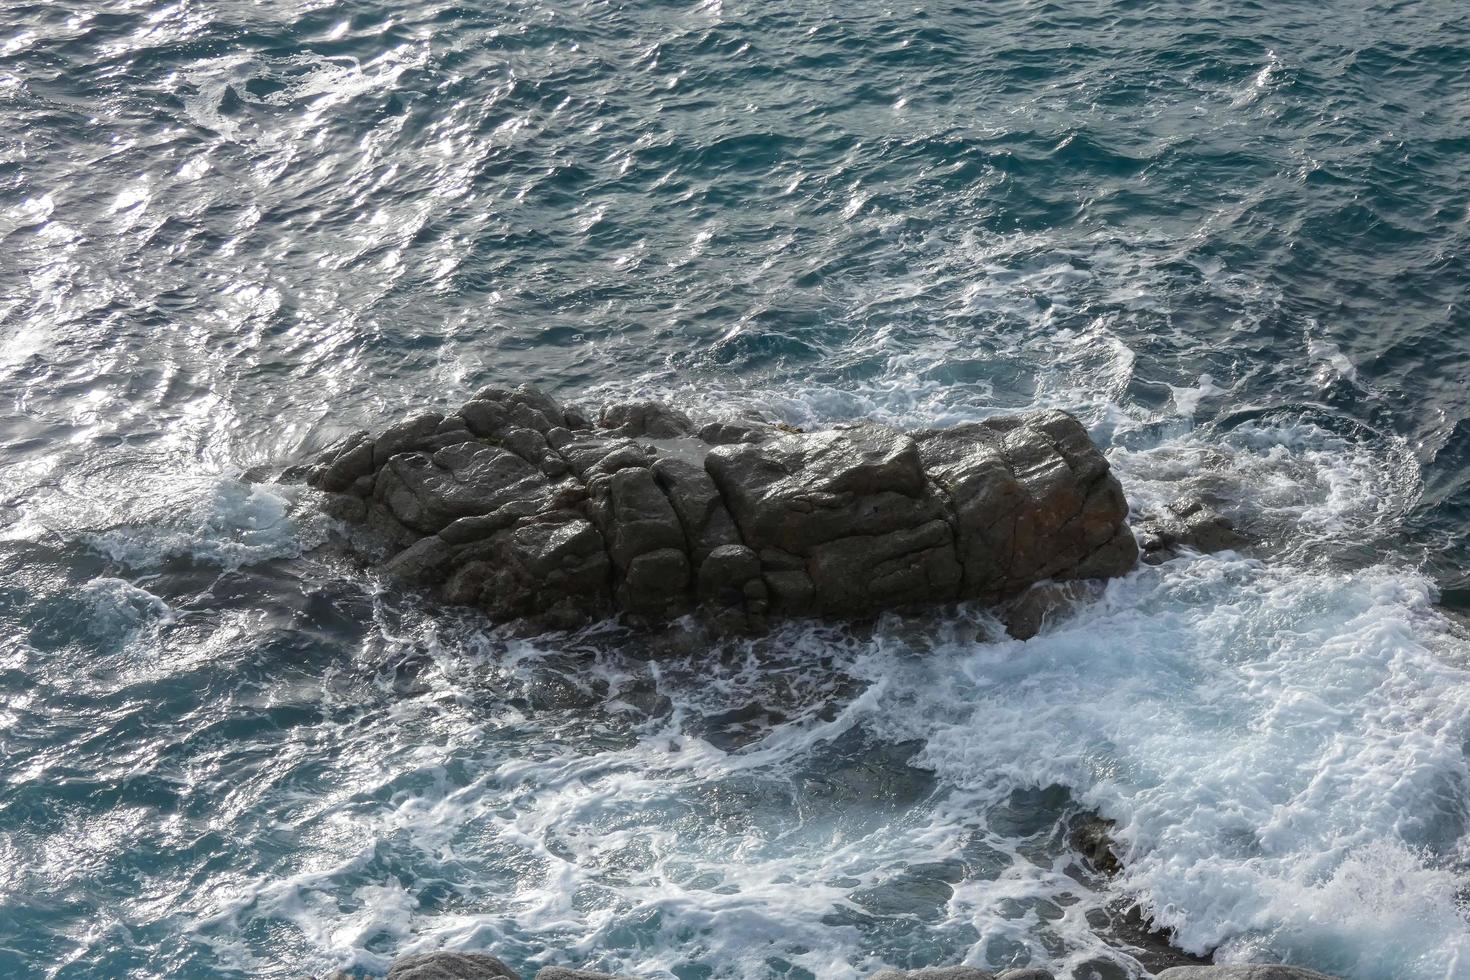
1281	750
141	519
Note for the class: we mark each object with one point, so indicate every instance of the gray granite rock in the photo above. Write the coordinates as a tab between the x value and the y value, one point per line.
1046	603
1188	523
645	418
450	966
937	973
562	973
1032	498
406	436
848	515
1092	837
346	461
727	433
523	508
695	498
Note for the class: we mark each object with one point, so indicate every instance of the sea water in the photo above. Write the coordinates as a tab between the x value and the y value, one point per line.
1231	238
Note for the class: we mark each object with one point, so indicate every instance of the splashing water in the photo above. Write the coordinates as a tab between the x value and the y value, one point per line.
1220	238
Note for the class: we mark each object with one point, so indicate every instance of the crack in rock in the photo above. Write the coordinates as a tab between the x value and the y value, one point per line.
533	512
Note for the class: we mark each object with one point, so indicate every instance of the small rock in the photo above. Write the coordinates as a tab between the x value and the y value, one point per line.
577	419
424	562
345	507
729	433
1027	973
348	460
1046	602
1100	968
937	973
450	966
562	973
1243	971
649	419
1186	523
1092	837
485	418
406	436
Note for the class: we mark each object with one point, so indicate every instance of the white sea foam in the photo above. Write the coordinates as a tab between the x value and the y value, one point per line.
142	519
119	607
1282	750
1259	734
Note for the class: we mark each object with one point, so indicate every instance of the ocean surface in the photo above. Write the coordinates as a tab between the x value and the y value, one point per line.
1233	238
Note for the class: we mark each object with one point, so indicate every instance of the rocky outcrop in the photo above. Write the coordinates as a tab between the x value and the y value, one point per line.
450	966
533	512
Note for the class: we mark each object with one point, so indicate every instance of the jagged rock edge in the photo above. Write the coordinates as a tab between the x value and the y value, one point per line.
941	492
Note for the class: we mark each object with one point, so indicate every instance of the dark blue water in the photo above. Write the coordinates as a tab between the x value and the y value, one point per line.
1231	237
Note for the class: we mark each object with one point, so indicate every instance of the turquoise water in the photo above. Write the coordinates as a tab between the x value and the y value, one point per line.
1232	238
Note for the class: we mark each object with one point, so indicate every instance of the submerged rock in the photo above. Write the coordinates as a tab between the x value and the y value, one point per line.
1045	603
450	966
1092	837
533	513
1186	523
1242	971
937	973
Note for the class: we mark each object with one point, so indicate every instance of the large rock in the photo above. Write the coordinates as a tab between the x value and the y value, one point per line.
427	492
531	512
450	966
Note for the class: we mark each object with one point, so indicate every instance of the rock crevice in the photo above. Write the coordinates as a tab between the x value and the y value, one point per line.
533	512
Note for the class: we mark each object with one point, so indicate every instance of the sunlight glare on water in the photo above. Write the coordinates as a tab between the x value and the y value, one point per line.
1231	240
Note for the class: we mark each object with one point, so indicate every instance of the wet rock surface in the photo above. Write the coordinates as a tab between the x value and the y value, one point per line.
450	966
1092	837
1046	603
1188	523
532	512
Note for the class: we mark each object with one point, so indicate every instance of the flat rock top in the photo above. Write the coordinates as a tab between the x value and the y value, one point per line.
450	966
